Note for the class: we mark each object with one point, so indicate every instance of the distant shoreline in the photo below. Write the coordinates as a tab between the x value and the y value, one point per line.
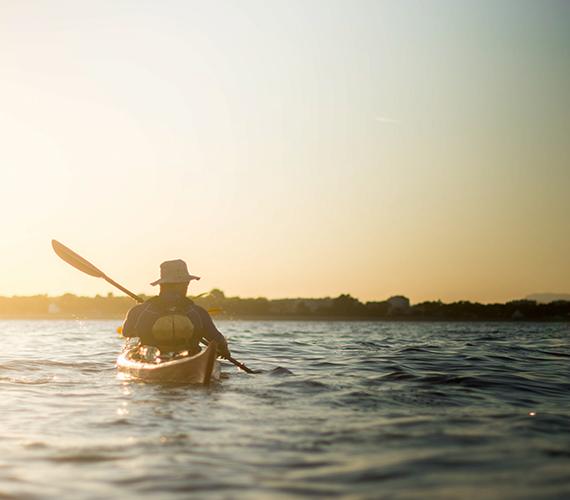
395	319
341	308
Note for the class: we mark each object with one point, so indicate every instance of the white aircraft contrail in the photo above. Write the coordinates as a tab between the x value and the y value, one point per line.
385	119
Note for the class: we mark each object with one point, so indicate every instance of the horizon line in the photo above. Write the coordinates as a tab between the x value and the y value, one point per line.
112	294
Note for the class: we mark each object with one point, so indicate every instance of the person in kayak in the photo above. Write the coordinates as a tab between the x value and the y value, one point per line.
171	321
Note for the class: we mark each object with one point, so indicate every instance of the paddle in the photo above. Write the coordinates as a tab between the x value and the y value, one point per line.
75	260
86	267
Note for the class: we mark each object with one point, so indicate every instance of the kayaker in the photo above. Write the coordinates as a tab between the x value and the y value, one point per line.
171	321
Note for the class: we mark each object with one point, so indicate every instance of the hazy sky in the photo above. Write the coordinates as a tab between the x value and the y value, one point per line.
295	148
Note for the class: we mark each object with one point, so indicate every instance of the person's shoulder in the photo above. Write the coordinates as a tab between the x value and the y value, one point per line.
139	308
136	308
134	311
202	313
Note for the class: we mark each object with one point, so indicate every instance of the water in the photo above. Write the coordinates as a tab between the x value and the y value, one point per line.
370	410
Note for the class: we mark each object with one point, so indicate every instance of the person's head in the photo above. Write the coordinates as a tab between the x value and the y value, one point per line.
174	289
174	277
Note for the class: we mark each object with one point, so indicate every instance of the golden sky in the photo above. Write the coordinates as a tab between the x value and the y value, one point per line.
288	148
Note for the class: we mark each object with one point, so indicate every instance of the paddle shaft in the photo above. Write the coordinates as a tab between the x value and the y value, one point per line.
83	265
241	365
140	300
235	361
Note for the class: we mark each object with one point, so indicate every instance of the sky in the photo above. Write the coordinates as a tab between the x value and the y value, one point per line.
288	148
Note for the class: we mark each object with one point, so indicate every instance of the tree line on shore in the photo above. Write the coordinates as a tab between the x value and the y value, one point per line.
342	307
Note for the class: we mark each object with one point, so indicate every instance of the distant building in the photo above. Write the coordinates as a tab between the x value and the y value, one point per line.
295	306
517	315
315	305
53	308
398	304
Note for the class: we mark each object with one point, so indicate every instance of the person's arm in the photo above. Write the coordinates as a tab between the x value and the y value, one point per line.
129	325
211	333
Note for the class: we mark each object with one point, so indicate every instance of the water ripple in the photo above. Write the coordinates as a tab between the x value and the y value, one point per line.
352	410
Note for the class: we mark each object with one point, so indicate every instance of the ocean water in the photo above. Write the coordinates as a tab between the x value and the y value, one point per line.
342	410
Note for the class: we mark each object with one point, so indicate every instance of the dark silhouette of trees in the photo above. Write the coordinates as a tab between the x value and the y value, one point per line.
345	305
342	307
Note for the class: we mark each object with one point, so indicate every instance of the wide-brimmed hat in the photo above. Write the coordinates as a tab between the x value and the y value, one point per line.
174	271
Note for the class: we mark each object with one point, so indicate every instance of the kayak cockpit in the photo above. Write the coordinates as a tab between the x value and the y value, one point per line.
149	364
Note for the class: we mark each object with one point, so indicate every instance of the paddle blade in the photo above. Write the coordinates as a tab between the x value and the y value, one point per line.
75	260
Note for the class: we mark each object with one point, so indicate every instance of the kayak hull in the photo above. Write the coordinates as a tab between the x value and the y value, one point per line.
202	368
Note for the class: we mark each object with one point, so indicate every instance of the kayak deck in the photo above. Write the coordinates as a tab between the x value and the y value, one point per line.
201	368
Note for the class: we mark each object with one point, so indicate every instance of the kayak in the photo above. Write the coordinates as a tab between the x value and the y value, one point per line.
146	363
